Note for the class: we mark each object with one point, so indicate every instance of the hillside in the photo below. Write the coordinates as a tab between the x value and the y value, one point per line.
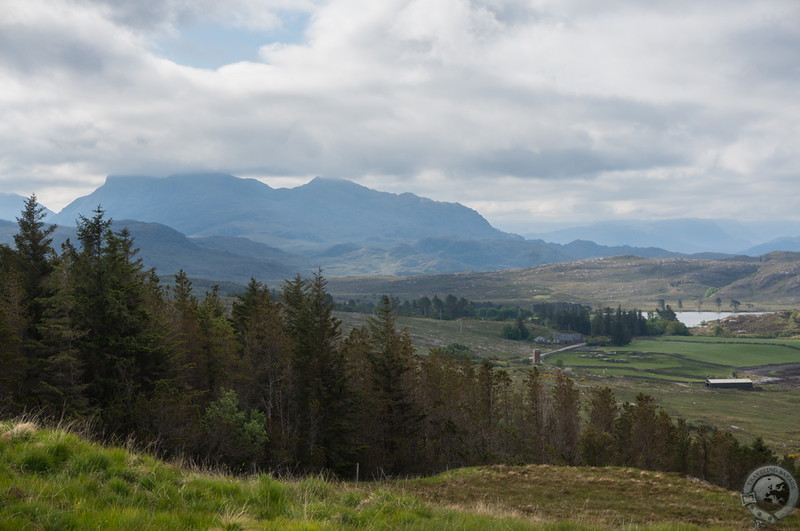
54	479
769	282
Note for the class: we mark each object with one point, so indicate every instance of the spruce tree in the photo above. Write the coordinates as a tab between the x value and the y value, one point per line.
538	416
16	367
566	420
36	257
121	350
392	358
322	399
265	383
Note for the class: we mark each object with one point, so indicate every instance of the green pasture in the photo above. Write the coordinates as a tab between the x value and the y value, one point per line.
684	359
642	364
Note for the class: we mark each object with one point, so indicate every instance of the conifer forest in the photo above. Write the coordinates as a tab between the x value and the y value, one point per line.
270	382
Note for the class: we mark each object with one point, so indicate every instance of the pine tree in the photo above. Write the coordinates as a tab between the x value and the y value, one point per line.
216	358
121	350
538	416
596	446
392	358
61	388
566	420
265	383
36	257
15	365
322	400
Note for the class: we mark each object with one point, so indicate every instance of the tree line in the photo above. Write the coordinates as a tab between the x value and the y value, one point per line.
271	381
605	325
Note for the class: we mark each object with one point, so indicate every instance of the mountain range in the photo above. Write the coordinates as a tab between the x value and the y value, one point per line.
224	228
306	218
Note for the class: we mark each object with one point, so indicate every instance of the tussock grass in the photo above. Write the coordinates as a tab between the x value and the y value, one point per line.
52	478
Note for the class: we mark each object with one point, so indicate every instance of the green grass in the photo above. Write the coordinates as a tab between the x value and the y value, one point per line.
730	352
680	359
482	337
641	364
54	479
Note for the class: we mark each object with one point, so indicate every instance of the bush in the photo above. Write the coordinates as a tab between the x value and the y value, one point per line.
234	437
515	332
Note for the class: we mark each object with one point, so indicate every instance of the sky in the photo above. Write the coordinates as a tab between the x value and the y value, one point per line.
536	113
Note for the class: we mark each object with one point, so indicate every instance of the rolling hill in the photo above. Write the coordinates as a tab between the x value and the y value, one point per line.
771	281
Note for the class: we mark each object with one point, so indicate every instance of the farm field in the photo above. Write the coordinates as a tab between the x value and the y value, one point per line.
682	359
640	364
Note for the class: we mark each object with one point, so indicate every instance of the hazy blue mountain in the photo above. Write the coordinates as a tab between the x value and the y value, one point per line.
450	255
778	244
679	235
11	206
169	251
314	216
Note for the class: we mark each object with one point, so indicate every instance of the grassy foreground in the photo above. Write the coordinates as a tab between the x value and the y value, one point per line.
54	479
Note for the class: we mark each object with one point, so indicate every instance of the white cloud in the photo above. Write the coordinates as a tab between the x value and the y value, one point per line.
605	109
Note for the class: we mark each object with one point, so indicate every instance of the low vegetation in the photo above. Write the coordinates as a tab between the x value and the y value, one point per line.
752	284
56	479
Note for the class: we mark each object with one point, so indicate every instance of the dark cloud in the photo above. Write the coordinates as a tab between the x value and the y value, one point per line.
44	50
568	162
625	106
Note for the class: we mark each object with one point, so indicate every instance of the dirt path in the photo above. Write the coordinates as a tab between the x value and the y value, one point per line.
785	374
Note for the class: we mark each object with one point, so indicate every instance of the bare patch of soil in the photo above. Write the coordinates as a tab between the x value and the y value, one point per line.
785	374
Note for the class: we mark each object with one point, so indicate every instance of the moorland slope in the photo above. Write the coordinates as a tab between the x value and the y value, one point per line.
54	479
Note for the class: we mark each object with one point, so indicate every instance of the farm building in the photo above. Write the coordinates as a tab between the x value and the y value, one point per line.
566	339
730	383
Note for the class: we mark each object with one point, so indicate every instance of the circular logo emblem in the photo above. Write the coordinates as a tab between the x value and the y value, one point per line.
770	493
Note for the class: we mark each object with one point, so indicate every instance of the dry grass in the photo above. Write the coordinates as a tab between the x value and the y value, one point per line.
607	498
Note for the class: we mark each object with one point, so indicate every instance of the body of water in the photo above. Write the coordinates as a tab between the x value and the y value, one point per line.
695	318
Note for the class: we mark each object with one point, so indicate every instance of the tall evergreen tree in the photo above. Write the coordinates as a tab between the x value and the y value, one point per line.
266	381
36	257
566	419
16	367
121	349
537	418
392	358
322	399
61	387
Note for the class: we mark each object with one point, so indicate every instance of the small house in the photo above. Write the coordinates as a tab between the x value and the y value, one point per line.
567	339
729	383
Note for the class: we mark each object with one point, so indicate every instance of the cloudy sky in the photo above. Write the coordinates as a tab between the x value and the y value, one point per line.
530	111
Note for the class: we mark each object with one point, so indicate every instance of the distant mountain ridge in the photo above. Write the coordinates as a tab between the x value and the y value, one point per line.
224	228
316	215
679	235
11	206
632	281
